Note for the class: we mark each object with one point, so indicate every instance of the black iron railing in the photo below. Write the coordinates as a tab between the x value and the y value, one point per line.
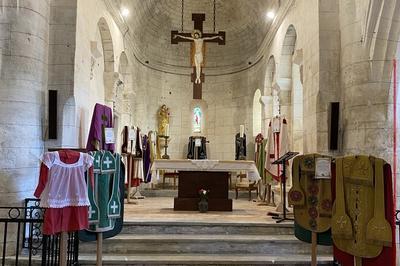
21	229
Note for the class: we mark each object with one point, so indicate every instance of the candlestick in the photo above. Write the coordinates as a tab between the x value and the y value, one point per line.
167	130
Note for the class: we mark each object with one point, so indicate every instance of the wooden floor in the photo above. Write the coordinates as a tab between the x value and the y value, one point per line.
159	209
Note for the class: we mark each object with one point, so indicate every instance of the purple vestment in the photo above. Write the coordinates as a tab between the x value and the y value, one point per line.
146	159
102	118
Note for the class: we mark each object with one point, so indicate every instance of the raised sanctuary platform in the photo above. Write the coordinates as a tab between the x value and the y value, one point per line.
212	175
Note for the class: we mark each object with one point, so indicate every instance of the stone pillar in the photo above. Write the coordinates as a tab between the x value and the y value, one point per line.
366	67
24	33
285	100
267	113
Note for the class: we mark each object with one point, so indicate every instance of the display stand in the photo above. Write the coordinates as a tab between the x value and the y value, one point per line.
63	248
99	251
283	160
136	194
313	249
267	190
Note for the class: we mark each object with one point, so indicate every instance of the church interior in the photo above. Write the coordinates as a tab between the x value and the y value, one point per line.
199	132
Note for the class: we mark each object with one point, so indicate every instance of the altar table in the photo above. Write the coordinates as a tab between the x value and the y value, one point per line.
210	175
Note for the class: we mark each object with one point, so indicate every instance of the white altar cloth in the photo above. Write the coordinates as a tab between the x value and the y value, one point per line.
207	165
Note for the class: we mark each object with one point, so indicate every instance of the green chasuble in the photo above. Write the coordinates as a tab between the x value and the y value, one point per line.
261	162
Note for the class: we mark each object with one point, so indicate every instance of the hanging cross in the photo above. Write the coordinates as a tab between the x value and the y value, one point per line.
197	76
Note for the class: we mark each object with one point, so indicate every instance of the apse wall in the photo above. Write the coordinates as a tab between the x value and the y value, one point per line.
225	96
229	95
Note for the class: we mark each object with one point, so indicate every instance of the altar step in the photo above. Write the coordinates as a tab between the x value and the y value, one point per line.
203	244
187	259
200	243
181	243
207	228
196	259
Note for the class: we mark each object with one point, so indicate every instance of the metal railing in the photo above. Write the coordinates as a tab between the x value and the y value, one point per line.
23	241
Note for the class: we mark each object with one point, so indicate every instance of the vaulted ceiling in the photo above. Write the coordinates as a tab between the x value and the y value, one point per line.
150	22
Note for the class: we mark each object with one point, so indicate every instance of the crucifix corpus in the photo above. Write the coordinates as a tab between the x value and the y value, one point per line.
198	39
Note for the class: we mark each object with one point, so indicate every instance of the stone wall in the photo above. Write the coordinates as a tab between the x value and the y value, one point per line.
225	96
24	41
368	48
62	26
98	37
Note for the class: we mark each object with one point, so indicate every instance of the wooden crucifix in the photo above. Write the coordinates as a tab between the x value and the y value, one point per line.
198	38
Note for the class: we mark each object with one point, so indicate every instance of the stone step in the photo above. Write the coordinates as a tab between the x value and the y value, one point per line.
201	259
187	259
124	244
199	228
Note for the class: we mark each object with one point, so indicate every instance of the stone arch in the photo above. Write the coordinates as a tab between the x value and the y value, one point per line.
110	77
123	100
285	80
257	113
107	44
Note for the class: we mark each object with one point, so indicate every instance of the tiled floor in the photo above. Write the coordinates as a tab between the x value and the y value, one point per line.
157	209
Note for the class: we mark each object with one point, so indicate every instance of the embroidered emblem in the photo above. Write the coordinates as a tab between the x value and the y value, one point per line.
341	221
326	204
295	195
313	212
313	189
309	162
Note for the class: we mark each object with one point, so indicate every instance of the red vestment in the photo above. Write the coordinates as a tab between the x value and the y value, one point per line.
67	219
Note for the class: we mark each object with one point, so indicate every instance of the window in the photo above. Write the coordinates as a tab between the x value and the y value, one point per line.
197	116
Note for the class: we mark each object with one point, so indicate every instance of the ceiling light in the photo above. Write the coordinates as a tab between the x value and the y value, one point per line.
125	12
271	15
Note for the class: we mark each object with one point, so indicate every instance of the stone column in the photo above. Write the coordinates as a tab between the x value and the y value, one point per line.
366	67
267	113
24	35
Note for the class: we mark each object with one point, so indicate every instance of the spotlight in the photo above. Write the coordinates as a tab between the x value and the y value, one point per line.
270	15
125	12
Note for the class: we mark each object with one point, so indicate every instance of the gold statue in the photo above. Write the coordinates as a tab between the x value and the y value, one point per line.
163	120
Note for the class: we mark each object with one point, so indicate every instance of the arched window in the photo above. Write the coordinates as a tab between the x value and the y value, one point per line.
197	117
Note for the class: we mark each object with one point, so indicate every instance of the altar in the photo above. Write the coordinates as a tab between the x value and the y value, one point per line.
212	175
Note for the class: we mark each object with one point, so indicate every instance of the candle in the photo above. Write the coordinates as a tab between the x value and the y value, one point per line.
241	131
167	130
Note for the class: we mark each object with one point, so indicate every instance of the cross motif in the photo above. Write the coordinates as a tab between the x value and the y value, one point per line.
97	161
341	221
91	211
114	206
107	162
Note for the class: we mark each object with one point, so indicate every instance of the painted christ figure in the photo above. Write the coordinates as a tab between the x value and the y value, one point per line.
198	46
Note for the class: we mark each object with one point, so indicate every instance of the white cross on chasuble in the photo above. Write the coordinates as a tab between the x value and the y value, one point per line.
114	206
108	162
